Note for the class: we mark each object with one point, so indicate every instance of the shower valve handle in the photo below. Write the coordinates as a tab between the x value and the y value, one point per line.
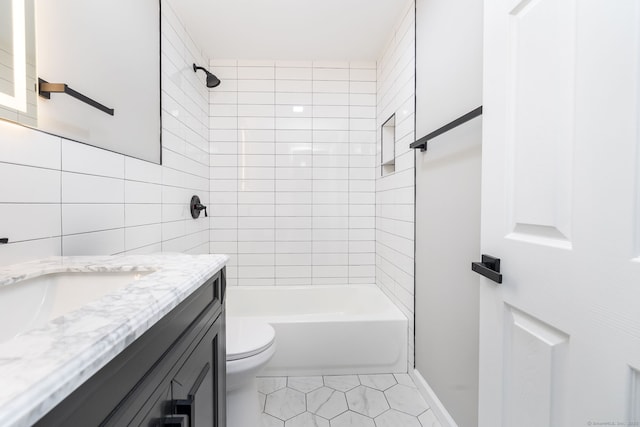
196	207
200	207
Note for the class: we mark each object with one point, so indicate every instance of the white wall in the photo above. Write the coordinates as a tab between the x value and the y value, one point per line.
292	171
449	84
59	197
395	191
449	61
447	291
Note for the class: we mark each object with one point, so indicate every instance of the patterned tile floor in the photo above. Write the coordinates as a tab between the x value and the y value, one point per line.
382	400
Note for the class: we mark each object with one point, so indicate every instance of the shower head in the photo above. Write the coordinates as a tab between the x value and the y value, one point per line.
212	81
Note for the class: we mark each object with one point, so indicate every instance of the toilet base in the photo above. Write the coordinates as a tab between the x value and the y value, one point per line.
243	404
241	411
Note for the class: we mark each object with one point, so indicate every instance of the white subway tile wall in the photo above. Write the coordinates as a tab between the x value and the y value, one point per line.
284	153
293	171
395	192
59	197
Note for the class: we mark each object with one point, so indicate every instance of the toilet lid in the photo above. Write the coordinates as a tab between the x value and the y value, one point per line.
247	337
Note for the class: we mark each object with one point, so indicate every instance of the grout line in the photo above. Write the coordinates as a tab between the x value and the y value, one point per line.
237	231
313	250
275	191
61	201
56	169
349	184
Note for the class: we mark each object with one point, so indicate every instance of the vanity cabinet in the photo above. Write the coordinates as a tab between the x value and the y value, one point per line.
173	375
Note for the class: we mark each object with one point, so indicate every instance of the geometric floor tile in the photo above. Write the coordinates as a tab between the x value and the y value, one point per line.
405	379
268	385
285	403
379	382
352	419
307	420
341	382
367	401
428	419
269	421
406	399
393	418
304	384
262	399
343	401
326	402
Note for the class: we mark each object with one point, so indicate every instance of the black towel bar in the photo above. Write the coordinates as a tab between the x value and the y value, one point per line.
45	89
422	142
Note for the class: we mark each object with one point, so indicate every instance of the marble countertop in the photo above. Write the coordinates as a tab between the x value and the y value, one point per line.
41	367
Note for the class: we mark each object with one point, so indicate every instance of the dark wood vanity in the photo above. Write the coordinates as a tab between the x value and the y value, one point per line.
173	375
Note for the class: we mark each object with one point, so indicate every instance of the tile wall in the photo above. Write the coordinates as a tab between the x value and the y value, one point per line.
395	191
293	171
284	154
62	197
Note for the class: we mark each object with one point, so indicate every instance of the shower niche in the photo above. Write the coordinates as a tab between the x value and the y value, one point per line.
388	146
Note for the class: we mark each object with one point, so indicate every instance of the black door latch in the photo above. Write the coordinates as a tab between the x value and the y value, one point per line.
489	268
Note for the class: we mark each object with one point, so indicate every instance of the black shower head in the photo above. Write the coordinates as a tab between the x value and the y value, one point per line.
212	81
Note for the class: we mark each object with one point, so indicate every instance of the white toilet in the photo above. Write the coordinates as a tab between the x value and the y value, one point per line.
250	345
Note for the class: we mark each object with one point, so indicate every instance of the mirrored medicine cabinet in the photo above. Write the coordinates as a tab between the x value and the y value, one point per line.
88	71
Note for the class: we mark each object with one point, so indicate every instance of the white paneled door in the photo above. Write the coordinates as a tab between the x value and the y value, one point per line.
560	337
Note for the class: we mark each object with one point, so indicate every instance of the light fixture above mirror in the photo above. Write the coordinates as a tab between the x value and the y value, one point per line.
17	62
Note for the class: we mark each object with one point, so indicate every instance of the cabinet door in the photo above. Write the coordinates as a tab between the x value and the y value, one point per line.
156	411
198	388
220	374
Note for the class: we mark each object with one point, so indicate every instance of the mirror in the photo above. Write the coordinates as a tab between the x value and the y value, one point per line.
98	71
17	62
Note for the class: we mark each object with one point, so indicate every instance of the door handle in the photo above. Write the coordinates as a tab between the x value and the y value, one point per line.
489	268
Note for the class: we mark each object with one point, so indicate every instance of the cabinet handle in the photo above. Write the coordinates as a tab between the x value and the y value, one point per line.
183	406
199	380
186	407
175	421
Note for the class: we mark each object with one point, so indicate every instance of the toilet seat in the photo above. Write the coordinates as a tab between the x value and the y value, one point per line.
247	337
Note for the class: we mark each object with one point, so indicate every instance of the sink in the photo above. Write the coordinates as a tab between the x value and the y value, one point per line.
31	303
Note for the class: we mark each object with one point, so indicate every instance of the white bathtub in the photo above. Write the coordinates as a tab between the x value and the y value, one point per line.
327	330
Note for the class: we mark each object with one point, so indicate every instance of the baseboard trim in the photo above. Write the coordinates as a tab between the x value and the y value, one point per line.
429	395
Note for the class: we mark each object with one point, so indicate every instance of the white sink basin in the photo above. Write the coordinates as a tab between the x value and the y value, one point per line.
31	303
